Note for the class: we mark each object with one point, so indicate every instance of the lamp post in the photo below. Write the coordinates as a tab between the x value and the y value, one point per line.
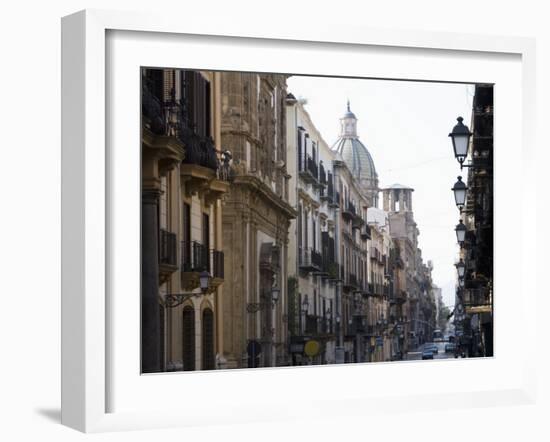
204	281
460	231
269	299
305	306
460	268
304	309
460	137
459	189
172	300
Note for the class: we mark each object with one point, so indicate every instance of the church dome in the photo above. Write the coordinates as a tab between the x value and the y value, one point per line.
354	153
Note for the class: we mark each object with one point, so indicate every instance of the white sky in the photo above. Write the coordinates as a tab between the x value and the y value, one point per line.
405	127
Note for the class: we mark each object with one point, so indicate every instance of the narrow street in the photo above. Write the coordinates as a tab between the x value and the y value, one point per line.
417	354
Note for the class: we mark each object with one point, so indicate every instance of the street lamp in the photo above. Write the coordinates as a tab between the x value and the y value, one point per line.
305	305
460	230
459	190
268	299
461	139
275	292
204	281
460	267
172	300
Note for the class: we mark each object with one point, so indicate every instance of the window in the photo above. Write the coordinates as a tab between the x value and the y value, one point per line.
195	102
208	356
188	338
186	235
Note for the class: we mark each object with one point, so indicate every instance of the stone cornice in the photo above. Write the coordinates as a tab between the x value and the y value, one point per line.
256	185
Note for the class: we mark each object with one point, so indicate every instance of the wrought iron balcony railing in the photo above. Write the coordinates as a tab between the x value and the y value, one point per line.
334	199
309	260
194	257
309	170
349	212
167	248
171	118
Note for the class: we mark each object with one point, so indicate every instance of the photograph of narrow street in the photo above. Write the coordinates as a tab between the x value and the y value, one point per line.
294	220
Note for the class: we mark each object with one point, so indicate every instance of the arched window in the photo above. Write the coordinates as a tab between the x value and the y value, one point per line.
208	356
188	338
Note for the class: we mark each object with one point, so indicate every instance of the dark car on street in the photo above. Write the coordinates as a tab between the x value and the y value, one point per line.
427	354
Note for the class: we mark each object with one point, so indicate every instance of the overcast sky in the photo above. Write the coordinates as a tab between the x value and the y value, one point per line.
405	127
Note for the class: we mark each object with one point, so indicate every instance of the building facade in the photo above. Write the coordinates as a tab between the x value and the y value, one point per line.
183	182
314	306
475	297
256	220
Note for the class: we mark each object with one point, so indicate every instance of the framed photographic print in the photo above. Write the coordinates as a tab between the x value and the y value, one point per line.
250	214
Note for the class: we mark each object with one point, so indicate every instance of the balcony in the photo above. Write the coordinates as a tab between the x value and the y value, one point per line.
168	260
478	301
309	260
350	282
366	232
334	200
196	258
309	171
348	211
201	170
158	138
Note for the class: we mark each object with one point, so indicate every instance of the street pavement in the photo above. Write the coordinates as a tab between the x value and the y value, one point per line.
416	355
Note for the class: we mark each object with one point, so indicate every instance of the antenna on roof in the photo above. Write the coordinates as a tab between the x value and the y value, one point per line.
348	105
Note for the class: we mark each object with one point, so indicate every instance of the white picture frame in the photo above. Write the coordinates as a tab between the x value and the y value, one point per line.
87	370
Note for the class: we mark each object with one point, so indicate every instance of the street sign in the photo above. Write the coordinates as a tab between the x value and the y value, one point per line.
312	348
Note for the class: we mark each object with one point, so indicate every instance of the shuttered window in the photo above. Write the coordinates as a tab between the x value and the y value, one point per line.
196	102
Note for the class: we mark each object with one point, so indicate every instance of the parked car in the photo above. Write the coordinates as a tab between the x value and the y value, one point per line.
450	348
427	354
431	346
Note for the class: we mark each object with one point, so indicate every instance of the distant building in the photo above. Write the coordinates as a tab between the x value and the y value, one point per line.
418	309
315	301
